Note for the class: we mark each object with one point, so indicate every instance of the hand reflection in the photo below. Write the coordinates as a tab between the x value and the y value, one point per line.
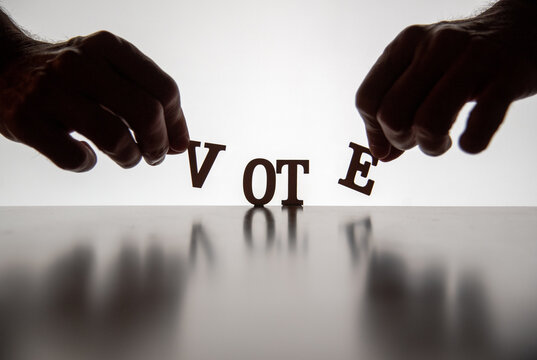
412	315
70	314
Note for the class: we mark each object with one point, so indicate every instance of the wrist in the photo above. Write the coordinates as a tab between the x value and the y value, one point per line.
525	15
513	23
13	42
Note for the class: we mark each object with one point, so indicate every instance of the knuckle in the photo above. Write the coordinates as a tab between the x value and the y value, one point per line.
105	36
68	55
441	41
75	41
66	60
449	34
412	32
410	36
99	39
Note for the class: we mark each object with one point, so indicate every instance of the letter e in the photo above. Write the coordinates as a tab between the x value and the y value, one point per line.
357	166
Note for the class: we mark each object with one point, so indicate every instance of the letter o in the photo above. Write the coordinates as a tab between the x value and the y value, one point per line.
247	182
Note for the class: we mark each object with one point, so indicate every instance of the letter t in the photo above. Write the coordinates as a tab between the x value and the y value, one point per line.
292	199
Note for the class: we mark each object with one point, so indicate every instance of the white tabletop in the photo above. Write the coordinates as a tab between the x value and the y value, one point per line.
275	283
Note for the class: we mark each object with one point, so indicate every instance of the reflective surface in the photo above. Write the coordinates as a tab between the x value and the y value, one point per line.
243	283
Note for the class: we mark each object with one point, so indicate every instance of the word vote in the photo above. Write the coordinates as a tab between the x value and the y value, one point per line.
357	165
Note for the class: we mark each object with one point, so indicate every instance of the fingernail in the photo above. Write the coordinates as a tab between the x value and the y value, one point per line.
379	152
155	158
182	145
131	163
90	160
183	139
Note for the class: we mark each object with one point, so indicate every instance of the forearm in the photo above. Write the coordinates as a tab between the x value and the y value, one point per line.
13	42
513	14
517	21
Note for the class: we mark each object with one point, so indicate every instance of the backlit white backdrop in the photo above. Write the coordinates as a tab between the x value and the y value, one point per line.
272	79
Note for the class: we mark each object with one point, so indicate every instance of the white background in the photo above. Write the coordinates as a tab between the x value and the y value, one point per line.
272	79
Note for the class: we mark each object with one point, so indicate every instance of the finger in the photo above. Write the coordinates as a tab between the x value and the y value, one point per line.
439	110
103	128
178	135
394	154
64	151
435	55
143	113
485	118
378	144
390	65
130	62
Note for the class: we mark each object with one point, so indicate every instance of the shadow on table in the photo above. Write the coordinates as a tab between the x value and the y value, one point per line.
411	315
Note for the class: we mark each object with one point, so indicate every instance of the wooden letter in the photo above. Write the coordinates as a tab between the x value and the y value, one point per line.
292	199
247	182
357	166
198	177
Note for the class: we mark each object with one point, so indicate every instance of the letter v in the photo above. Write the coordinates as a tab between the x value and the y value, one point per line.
198	177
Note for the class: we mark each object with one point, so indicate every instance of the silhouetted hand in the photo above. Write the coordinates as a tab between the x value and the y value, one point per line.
413	94
100	86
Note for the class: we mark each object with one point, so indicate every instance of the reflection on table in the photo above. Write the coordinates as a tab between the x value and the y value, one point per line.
267	283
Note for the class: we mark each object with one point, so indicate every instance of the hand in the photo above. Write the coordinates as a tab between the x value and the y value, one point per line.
413	94
100	86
